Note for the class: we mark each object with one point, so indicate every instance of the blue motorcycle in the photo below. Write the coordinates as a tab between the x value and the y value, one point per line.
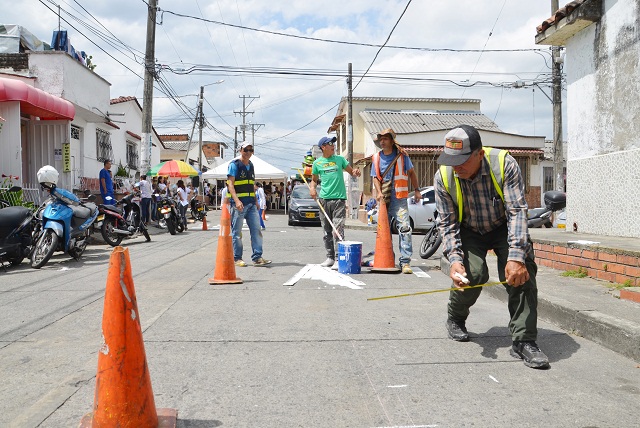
65	225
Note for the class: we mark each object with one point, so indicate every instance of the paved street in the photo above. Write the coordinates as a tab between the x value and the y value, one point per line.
260	354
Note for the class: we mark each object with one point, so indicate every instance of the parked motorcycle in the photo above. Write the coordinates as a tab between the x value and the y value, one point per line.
168	213
122	219
432	240
65	222
553	201
198	209
16	224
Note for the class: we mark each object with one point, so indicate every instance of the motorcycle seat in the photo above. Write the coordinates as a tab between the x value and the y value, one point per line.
80	211
535	212
11	217
115	208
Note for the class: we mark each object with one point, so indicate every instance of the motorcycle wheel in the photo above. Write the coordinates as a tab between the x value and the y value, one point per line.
179	226
171	225
44	249
145	232
111	238
430	243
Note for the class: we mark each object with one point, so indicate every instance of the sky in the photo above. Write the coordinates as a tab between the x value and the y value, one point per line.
294	55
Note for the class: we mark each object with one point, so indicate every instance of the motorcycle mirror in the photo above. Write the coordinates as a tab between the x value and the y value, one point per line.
15	189
91	198
87	192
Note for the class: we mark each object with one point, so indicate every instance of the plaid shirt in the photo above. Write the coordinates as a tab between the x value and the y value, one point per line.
483	210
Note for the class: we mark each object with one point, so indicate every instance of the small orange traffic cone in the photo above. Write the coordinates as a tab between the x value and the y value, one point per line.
204	223
384	259
123	395
225	271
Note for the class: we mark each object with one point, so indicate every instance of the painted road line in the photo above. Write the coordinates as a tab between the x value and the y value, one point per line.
420	273
326	275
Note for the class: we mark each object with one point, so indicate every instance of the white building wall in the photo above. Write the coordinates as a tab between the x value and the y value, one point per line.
10	140
603	124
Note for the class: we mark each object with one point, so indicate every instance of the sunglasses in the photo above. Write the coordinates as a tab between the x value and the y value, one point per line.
328	144
247	150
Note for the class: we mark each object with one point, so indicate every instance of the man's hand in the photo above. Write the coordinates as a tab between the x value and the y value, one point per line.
239	205
417	195
516	273
356	172
313	192
456	273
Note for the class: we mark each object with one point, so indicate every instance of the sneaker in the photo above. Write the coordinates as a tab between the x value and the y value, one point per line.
335	266
531	355
406	268
457	331
241	263
261	262
327	263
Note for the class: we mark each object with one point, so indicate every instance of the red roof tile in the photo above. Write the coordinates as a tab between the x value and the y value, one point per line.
560	14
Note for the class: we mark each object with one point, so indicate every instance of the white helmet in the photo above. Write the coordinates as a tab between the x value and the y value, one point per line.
48	176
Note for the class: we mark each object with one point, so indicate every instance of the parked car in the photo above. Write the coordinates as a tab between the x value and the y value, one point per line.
421	214
303	209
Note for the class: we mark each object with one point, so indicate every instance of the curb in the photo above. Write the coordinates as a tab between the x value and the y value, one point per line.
613	333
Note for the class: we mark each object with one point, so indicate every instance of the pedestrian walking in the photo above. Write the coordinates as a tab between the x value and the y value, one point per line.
333	194
145	196
240	182
392	171
183	202
262	202
481	206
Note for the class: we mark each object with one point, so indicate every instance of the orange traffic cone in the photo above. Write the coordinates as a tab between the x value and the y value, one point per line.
204	223
384	259
225	271
123	395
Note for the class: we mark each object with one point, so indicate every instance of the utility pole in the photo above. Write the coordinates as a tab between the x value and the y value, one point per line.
200	125
254	128
244	112
350	139
556	76
147	101
235	142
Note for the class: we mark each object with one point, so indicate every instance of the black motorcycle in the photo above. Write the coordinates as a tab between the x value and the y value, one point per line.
168	214
198	209
122	219
539	217
16	226
432	240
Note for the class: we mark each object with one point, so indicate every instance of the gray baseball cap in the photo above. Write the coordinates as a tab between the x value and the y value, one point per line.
459	143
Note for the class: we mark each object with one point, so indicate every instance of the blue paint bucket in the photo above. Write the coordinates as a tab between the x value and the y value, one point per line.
349	256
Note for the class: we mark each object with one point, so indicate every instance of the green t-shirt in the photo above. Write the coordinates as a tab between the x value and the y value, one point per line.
330	172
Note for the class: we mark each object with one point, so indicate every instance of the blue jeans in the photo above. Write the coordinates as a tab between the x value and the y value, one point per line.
146	202
249	213
260	211
398	209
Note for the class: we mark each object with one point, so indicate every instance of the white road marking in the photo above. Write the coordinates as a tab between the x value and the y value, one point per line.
327	275
420	273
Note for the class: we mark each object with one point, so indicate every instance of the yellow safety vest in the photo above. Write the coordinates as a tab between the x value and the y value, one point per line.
496	167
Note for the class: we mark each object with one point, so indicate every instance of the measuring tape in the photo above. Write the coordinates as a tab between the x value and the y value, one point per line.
438	291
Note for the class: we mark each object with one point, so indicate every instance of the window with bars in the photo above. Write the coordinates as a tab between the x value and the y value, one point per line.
132	155
75	132
103	145
524	163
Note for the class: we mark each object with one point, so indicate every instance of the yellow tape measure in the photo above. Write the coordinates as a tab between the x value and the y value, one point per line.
438	291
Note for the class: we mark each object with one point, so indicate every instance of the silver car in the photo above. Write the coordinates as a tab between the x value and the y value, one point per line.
420	214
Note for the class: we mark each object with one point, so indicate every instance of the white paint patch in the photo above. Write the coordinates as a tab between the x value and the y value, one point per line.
493	379
133	314
327	275
420	273
63	269
396	386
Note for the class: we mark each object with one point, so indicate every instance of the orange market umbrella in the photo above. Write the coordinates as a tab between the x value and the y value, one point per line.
173	168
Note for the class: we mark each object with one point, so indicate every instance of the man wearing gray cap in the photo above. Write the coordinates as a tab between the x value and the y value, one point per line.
481	206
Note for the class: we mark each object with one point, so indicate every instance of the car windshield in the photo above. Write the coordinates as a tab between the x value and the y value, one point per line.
302	192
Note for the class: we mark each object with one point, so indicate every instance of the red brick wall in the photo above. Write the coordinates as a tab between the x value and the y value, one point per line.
599	263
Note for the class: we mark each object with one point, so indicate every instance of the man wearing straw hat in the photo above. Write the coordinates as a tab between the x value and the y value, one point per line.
333	194
398	171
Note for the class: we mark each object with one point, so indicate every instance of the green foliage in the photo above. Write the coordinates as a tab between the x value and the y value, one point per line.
580	273
122	171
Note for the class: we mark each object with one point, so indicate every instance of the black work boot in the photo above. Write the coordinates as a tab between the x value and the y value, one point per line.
530	354
457	331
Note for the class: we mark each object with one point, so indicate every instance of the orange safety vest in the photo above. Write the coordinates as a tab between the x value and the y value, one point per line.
400	177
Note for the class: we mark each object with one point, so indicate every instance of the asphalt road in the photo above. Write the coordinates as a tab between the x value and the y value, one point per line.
260	354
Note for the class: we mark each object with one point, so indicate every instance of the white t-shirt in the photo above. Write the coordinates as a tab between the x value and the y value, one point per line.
262	199
145	189
184	196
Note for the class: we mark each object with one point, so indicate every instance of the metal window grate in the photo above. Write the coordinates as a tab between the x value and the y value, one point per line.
75	132
104	149
132	155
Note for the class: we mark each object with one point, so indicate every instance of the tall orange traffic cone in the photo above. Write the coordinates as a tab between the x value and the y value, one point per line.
123	395
383	259
204	223
225	271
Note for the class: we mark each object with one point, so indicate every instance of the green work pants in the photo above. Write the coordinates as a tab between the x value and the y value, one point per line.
523	300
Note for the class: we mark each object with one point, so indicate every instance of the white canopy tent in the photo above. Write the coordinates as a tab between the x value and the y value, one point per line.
263	169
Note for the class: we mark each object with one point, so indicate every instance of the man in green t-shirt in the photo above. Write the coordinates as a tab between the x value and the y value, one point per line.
333	194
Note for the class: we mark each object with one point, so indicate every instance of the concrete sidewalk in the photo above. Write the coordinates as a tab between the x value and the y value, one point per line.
587	307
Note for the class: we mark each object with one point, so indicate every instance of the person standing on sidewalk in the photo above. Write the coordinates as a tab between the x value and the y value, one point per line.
481	206
241	177
145	195
262	203
333	193
398	171
106	184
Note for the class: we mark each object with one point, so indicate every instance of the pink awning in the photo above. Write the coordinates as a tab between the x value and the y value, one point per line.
34	101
